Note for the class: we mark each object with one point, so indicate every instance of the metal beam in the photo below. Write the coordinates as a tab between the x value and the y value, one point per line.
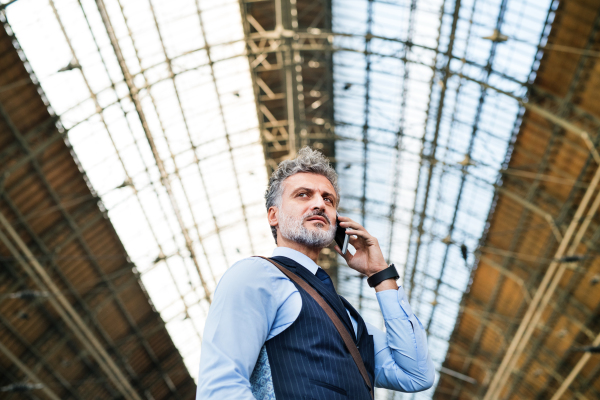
165	180
431	154
564	297
197	160
15	360
546	289
40	128
587	384
285	56
35	353
72	224
62	306
290	57
575	371
65	310
474	131
555	270
531	193
553	226
119	156
59	329
9	377
401	131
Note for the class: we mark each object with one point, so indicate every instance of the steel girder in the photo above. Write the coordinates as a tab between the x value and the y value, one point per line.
81	241
289	46
289	49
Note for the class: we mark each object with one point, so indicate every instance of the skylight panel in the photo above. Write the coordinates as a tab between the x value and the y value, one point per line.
451	137
184	210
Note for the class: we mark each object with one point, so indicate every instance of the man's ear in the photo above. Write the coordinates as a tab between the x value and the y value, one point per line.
273	216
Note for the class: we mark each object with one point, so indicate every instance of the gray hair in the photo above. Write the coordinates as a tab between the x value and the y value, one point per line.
307	160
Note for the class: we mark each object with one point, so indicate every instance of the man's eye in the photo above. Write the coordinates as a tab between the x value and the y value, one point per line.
328	199
301	194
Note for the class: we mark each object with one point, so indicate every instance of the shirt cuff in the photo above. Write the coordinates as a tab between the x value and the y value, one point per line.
394	304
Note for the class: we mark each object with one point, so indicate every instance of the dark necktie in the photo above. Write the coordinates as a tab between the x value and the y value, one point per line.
322	275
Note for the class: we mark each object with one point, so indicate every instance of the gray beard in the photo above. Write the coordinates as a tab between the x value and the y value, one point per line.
293	229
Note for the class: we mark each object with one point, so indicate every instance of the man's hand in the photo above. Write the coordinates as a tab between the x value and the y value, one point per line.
368	258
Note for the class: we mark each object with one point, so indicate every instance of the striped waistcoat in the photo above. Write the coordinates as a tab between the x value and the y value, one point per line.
308	360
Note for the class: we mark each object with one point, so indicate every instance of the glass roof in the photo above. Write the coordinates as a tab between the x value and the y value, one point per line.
157	97
420	141
184	206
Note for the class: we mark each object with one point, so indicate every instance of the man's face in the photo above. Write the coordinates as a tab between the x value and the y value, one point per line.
307	213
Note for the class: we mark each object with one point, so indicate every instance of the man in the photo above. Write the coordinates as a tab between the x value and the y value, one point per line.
266	337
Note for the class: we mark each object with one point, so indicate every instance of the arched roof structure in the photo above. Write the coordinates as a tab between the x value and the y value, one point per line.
464	134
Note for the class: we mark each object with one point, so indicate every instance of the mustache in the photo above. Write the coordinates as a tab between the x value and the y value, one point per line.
319	213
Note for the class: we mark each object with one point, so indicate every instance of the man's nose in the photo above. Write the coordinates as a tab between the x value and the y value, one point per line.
319	203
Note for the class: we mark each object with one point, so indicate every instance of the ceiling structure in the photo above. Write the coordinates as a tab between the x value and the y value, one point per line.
292	81
463	133
534	295
76	320
164	123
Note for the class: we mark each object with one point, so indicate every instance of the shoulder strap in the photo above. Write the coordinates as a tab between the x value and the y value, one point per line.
350	345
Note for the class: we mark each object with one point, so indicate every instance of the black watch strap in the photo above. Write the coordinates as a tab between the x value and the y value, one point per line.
388	273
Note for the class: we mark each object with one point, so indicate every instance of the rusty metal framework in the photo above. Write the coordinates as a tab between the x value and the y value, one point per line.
289	48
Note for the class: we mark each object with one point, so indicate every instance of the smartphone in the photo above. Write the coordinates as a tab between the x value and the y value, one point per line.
340	236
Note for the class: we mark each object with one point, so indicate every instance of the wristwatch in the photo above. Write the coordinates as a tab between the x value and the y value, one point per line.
388	273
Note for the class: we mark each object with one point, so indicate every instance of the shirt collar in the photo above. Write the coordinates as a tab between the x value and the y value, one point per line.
295	255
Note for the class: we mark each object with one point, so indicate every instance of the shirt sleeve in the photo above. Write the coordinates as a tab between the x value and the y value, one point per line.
402	361
240	318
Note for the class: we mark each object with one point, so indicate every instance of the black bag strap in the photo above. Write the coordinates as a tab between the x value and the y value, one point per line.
350	345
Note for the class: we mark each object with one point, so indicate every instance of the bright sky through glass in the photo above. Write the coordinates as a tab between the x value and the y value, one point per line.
394	106
202	121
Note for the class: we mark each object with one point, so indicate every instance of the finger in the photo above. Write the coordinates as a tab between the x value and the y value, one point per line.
345	219
357	243
359	233
352	225
346	256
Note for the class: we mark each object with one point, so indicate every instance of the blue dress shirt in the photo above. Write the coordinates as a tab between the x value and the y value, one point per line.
254	302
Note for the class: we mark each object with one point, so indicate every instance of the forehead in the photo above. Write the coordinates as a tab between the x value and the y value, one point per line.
308	180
